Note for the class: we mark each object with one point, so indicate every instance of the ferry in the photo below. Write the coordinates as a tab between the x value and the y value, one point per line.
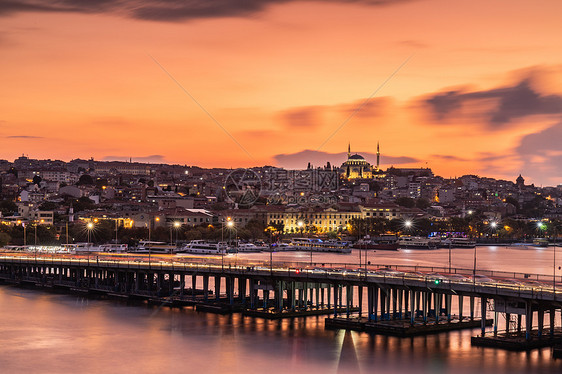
250	247
118	248
414	242
319	245
383	243
204	247
146	246
458	243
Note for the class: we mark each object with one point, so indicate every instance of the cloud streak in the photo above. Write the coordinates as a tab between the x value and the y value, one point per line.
498	107
165	10
24	137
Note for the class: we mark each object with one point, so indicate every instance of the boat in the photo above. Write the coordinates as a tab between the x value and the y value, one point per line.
383	243
118	248
540	242
250	247
281	247
147	246
319	245
458	243
415	242
204	247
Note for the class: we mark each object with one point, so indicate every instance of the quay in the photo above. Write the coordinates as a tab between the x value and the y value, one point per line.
387	302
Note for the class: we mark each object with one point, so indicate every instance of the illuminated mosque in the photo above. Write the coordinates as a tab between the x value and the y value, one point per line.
356	167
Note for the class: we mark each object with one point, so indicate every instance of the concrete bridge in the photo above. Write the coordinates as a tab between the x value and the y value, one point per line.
389	300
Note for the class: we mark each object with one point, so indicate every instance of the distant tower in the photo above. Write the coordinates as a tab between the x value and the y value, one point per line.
378	155
520	181
349	150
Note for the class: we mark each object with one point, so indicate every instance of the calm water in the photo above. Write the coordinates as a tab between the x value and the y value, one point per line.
53	333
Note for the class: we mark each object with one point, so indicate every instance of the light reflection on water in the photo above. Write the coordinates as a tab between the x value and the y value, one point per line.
54	333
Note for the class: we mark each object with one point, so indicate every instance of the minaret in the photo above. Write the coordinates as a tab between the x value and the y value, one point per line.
349	150
378	155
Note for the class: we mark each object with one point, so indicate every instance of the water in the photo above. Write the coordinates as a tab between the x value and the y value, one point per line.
54	333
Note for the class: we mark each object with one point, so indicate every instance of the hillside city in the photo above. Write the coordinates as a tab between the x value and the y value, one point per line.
52	201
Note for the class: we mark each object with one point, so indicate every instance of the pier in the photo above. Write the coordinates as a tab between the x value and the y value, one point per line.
379	302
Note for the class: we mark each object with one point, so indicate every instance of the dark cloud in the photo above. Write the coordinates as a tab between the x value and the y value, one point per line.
163	10
497	106
541	155
24	137
449	157
303	117
155	159
301	159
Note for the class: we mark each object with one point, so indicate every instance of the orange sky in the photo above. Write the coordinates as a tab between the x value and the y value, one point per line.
480	91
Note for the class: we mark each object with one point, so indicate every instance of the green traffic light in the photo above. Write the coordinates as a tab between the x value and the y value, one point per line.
437	281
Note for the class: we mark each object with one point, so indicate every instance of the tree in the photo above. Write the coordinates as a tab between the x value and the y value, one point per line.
8	207
85	179
4	239
406	202
37	180
422	203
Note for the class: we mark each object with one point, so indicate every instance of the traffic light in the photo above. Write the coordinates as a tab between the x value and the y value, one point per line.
437	281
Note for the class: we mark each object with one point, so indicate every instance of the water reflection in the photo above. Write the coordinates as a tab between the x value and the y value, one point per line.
42	332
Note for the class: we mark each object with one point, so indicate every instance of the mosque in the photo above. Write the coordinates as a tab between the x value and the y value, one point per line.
356	167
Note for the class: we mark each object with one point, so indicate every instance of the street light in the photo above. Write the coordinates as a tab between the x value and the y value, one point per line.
89	228
176	225
230	225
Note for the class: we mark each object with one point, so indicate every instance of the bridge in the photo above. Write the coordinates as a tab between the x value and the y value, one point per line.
383	299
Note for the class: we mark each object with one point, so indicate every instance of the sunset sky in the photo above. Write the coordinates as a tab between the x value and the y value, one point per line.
459	86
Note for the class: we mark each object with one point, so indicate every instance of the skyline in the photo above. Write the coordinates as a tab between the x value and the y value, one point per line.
466	89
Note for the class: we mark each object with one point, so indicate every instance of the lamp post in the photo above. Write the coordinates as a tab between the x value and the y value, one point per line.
89	228
176	225
230	225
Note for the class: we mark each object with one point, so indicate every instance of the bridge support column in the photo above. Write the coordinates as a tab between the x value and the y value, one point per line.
448	300
252	293
336	287
394	303
495	323
437	302
461	299
242	289
217	287
317	294
483	315
507	323
360	297
230	289
552	314
519	319
541	320
206	287
424	306
383	302
528	320
193	285
406	302
412	307
369	302
400	295
349	299
472	308
328	294
280	296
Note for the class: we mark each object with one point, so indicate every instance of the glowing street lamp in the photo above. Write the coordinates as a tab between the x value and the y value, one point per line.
89	228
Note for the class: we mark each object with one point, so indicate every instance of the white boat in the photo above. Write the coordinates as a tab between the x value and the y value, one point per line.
146	246
85	247
250	247
203	247
118	248
319	245
458	243
281	247
415	242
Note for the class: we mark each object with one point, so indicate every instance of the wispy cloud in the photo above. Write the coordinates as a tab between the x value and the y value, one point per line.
164	10
24	137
